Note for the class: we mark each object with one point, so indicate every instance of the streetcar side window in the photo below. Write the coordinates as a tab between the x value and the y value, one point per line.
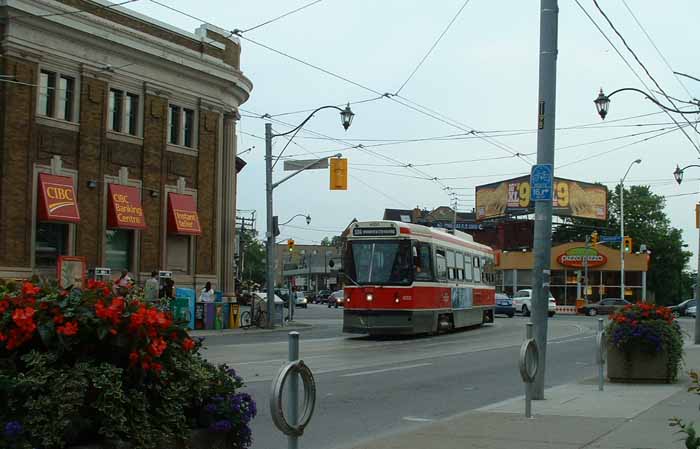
459	259
440	264
450	265
421	261
468	273
477	269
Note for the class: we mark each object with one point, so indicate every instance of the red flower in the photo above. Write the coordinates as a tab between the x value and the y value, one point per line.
188	344
157	347
69	329
2	337
28	289
4	305
24	319
106	291
133	358
157	367
43	305
58	318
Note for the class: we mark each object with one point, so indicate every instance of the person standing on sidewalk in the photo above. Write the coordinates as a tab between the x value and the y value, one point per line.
150	290
207	293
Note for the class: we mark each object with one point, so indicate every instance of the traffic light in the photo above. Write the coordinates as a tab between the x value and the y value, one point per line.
627	242
594	237
339	174
290	245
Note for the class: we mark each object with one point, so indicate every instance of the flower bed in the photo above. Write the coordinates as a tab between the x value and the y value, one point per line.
645	343
82	367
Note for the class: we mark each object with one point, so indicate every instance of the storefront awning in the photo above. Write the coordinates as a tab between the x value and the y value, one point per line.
124	210
182	215
57	199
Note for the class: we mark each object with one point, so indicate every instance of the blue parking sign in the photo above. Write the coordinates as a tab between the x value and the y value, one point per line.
541	182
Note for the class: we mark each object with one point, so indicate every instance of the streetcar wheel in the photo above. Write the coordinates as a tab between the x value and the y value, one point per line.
526	311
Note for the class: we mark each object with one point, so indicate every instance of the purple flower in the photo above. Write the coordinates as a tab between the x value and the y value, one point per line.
223	425
12	429
211	408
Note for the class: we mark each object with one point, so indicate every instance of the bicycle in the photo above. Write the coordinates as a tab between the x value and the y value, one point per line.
260	319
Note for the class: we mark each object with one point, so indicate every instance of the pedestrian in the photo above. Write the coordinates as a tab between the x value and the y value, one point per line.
207	293
150	290
121	285
168	290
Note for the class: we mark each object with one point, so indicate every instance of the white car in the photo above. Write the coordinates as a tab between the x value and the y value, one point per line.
522	301
300	300
691	311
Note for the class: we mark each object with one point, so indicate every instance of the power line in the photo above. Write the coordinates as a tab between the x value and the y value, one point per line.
435	44
618	148
651	41
313	109
278	17
624	42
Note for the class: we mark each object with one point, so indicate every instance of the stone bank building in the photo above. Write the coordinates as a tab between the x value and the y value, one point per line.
118	142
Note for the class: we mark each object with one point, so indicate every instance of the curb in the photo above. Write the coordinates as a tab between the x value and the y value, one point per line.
248	331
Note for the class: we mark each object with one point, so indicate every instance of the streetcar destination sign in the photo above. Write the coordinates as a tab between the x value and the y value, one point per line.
373	232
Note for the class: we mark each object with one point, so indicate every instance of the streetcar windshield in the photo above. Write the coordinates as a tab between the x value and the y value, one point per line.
380	262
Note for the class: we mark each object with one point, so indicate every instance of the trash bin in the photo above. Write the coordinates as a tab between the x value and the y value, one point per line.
188	293
234	318
218	316
199	316
209	315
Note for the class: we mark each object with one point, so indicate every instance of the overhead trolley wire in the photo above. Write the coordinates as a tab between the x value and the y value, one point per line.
435	44
624	42
280	17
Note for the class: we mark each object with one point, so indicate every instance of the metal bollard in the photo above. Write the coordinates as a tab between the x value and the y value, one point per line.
292	406
601	353
529	365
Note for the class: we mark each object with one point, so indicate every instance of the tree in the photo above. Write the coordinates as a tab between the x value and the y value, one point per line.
253	259
326	242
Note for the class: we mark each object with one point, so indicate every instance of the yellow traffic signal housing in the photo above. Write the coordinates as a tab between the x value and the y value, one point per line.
339	174
290	245
627	242
594	237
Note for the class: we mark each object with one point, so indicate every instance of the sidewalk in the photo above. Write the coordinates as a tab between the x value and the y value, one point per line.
573	416
295	325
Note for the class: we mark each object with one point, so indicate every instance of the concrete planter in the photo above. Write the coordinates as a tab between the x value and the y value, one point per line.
200	439
638	366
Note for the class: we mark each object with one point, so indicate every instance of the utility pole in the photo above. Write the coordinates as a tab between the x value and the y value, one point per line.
270	234
585	268
549	11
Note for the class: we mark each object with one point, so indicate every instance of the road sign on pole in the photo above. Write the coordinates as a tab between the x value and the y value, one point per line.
541	182
609	238
306	164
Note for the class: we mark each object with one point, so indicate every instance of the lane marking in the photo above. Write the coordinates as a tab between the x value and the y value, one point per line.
377	371
417	419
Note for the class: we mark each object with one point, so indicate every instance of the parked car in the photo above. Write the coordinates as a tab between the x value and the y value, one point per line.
322	296
522	301
691	311
682	308
604	306
300	300
336	299
504	305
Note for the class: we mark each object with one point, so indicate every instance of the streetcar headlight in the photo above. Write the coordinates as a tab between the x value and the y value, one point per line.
396	300
369	297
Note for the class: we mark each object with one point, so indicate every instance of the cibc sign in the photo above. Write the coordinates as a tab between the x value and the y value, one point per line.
575	258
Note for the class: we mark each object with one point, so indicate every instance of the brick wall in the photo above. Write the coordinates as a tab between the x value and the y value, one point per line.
206	193
15	162
154	135
93	99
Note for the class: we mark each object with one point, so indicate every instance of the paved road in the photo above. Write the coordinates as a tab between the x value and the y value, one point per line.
368	387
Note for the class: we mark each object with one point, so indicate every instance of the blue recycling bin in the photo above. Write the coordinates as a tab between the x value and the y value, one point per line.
184	309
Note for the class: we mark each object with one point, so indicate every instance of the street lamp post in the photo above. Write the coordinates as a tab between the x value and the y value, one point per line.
346	116
602	102
622	228
678	174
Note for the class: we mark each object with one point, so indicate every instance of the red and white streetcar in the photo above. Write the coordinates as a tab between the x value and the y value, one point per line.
411	279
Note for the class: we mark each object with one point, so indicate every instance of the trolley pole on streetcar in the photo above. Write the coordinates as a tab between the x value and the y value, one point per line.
549	11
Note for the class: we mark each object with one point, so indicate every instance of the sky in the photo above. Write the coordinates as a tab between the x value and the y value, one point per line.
482	76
